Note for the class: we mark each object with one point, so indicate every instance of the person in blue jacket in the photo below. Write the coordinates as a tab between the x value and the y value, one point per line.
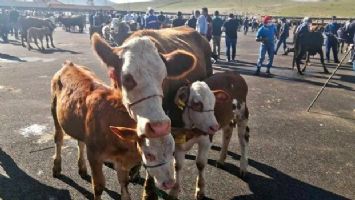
151	20
266	35
331	41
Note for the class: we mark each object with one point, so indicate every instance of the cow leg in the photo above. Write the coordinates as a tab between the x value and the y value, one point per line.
149	189
98	179
42	44
298	62
81	160
47	40
58	139
227	135
123	179
243	134
36	42
179	163
51	37
307	62
201	162
320	51
22	38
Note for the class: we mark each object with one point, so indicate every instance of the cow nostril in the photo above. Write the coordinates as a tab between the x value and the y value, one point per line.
214	128
169	184
158	128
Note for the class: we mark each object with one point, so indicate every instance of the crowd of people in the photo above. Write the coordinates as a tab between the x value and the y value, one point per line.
271	33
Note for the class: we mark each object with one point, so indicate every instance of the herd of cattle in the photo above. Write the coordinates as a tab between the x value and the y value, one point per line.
163	100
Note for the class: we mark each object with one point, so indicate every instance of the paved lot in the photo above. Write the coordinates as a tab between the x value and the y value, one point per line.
293	154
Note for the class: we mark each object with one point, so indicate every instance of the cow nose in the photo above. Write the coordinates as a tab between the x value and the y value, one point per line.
157	129
214	128
167	185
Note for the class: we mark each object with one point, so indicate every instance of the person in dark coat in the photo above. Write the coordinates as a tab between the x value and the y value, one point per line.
178	21
231	27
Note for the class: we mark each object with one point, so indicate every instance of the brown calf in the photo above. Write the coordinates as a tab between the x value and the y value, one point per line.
233	113
90	111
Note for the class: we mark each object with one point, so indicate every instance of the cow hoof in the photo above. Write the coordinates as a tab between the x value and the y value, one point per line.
303	70
83	173
220	164
52	46
170	197
243	173
326	71
200	196
56	171
300	72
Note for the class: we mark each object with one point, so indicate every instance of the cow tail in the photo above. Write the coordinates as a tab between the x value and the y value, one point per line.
56	85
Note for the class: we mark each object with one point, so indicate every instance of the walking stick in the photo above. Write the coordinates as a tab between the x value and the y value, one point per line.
330	77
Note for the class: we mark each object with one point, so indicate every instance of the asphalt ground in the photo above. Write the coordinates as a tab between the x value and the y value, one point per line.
293	154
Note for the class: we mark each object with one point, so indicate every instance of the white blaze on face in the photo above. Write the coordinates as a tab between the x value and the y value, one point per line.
159	159
144	66
202	98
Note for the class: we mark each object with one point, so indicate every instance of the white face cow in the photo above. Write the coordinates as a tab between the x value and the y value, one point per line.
138	69
199	102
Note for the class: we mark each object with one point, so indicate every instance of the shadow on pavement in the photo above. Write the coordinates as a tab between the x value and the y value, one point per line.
10	57
85	192
55	50
279	186
19	185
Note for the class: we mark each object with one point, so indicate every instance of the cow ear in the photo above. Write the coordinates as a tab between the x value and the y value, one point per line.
181	97
221	96
179	63
123	133
106	53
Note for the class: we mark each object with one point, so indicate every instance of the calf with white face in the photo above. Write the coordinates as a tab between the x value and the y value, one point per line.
138	70
197	102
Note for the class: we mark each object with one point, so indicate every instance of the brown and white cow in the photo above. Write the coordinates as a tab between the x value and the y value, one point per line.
197	102
92	112
150	66
232	113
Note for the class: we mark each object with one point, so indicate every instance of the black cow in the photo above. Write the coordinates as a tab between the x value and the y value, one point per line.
72	21
307	44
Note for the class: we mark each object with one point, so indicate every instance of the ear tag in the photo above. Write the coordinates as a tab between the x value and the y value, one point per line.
181	104
180	139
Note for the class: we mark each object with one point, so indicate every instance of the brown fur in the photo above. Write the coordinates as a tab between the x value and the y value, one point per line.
84	108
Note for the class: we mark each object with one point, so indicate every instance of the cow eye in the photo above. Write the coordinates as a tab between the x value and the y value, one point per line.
128	81
197	106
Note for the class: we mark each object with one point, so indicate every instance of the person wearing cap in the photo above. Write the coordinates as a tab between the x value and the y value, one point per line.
331	41
284	33
151	20
217	24
178	21
266	35
304	27
231	27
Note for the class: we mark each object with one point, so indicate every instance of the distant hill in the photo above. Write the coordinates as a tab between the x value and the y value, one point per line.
84	2
321	8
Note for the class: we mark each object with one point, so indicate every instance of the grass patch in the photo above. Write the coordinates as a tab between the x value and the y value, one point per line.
322	8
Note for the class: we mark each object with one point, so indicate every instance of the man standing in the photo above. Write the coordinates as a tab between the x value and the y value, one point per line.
284	33
178	21
217	24
331	41
151	21
231	27
161	18
266	35
246	25
201	24
193	19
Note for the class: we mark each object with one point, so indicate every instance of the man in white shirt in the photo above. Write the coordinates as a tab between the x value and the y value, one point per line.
201	24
